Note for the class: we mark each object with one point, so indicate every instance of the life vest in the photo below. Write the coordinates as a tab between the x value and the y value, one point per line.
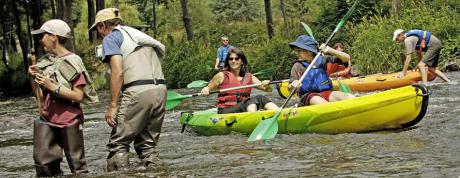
141	56
65	74
423	38
337	66
317	79
232	97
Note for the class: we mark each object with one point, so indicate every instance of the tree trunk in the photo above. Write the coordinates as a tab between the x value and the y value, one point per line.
269	18
4	46
36	14
91	16
100	4
64	12
115	3
154	20
53	9
395	6
187	20
17	20
283	11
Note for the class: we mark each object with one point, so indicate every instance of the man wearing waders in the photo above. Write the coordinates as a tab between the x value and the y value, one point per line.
65	83
135	72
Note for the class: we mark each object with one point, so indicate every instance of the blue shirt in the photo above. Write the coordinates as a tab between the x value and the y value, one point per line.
111	45
222	52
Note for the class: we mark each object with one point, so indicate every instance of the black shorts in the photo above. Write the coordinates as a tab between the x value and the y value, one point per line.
242	106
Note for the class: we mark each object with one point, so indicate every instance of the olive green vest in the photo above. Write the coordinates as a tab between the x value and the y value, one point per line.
64	70
141	55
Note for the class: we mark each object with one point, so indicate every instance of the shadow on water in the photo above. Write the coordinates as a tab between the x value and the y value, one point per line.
430	149
16	142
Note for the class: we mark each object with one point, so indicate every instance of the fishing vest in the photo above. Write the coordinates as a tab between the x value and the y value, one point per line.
337	66
65	74
141	56
423	38
317	79
232	97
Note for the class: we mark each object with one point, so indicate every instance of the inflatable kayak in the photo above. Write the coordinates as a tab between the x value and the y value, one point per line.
391	109
370	82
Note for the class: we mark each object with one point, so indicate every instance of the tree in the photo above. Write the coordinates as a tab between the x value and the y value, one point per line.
64	12
19	33
226	10
91	16
283	12
100	4
5	39
53	11
187	20
269	18
36	14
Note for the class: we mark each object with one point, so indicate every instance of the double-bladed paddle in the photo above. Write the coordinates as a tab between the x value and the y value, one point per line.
173	98
268	128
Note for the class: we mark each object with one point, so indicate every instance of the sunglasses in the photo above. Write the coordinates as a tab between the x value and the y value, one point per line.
233	59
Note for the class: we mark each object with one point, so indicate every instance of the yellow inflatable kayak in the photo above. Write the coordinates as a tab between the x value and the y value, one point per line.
391	109
370	82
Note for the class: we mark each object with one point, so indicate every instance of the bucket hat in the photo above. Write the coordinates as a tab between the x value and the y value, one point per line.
106	14
305	42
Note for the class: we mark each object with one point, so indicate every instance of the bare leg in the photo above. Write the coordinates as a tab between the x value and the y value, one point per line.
271	106
317	100
252	108
422	69
439	73
338	95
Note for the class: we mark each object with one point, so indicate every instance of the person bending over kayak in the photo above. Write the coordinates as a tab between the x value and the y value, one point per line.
316	87
419	40
335	67
235	75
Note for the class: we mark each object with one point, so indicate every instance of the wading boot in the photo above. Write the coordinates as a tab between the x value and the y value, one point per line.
50	170
151	161
117	162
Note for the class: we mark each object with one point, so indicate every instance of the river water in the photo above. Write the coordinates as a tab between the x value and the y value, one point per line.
430	149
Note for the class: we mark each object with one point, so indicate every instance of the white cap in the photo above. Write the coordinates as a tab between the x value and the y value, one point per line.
396	33
55	27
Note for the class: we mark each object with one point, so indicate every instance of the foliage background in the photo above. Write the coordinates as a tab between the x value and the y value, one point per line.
367	34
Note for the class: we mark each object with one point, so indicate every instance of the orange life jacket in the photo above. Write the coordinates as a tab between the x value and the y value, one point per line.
232	97
336	67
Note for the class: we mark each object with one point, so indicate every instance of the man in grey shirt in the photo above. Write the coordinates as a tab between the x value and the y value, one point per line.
418	41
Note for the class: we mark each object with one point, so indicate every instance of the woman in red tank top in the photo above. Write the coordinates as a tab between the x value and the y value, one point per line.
235	75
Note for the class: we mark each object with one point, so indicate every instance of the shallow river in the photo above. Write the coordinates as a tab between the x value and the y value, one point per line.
430	149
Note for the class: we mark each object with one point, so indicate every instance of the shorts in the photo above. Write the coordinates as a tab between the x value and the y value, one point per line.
305	99
242	106
431	57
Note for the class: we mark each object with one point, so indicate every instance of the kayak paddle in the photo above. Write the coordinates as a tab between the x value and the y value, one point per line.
197	84
308	30
173	98
268	128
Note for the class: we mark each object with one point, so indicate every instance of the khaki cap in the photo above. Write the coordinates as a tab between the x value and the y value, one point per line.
106	14
56	27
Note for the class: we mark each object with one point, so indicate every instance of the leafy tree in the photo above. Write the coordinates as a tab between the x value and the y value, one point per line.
227	10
